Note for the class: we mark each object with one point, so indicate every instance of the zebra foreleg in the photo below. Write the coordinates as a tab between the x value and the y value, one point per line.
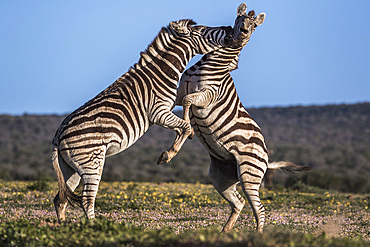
183	130
201	99
224	179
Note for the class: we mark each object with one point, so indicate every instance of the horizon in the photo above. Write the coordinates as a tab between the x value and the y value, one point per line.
57	56
179	108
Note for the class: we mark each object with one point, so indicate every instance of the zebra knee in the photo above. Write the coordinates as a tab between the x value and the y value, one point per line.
184	129
238	202
187	101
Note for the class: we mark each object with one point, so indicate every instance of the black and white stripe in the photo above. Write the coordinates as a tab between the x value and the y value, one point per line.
122	113
232	138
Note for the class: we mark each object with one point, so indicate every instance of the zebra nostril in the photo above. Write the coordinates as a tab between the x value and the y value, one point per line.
243	30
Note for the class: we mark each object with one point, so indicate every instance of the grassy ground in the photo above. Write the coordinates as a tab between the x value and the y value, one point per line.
178	214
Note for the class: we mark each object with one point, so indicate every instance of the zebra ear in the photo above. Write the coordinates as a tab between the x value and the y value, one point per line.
260	19
181	26
242	9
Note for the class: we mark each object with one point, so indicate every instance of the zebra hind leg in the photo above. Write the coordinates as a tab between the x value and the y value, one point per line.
250	173
250	189
224	179
90	189
91	176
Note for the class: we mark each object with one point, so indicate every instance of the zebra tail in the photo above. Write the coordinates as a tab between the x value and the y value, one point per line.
65	193
288	167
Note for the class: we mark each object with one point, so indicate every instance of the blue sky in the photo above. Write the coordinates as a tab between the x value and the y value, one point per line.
56	55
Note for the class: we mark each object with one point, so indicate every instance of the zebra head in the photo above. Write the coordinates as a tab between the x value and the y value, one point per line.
245	24
202	39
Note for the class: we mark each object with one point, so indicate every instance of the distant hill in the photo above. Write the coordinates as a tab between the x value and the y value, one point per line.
334	140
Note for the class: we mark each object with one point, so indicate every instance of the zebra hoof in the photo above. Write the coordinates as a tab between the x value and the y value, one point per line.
164	158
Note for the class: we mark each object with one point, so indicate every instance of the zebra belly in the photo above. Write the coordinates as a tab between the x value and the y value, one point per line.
213	147
115	147
211	143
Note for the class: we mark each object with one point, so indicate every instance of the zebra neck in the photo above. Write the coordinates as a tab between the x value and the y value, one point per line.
224	58
167	57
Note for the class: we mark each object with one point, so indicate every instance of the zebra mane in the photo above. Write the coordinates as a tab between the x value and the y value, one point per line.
234	64
252	14
184	23
144	57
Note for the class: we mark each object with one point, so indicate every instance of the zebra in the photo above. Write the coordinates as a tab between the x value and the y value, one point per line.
115	119
232	138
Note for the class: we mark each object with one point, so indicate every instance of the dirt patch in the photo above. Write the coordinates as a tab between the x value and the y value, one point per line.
332	228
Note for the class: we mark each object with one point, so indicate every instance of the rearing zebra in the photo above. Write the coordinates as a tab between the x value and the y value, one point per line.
119	115
232	138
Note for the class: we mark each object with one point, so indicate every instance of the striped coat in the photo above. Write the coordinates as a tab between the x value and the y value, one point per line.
122	113
230	135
